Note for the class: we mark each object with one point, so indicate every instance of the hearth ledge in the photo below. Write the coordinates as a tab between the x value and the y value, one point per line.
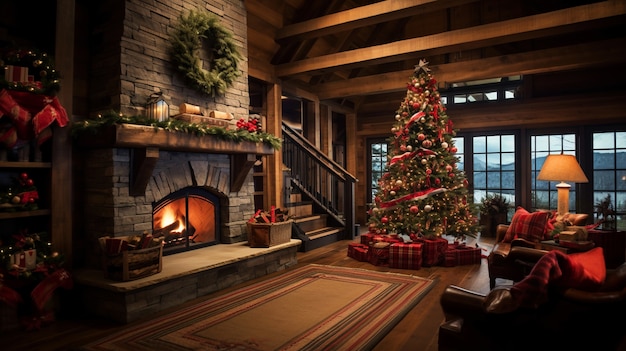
181	265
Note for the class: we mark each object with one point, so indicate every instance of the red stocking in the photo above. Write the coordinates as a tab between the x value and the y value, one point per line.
8	137
20	116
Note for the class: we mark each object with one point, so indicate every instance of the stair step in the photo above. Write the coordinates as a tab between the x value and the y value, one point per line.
309	223
300	209
322	232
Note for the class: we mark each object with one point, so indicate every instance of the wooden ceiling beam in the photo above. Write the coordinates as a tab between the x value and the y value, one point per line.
267	14
498	32
384	11
540	61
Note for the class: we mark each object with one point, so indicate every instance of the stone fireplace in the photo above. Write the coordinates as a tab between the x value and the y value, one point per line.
195	192
113	212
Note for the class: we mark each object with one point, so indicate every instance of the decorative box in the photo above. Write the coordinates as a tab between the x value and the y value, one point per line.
433	251
405	255
25	259
269	234
358	251
378	254
457	255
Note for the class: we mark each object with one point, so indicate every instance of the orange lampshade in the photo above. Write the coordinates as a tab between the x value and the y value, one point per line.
562	168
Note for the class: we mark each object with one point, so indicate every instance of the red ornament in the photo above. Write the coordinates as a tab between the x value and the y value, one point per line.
384	220
414	209
24	176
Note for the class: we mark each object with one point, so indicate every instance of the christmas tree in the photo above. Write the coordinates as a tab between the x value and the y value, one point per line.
422	191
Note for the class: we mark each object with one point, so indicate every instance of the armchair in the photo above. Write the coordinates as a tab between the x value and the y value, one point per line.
571	318
512	258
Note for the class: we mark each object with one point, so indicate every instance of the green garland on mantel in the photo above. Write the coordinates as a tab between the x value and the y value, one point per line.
174	125
186	41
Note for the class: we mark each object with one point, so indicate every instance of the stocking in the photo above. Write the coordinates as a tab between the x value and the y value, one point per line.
19	116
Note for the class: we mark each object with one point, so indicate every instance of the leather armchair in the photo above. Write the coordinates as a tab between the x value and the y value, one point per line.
570	319
514	260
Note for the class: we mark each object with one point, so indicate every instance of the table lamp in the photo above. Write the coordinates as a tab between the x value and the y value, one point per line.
562	168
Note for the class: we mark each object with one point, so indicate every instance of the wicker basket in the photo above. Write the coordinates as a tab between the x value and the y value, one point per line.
134	264
269	234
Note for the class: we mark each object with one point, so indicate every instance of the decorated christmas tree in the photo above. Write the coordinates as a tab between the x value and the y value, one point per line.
422	191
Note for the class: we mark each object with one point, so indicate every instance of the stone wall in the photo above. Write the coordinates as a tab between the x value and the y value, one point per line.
131	58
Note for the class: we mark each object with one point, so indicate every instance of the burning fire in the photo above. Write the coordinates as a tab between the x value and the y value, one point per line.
170	216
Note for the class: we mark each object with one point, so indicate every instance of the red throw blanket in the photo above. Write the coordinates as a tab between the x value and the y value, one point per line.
584	270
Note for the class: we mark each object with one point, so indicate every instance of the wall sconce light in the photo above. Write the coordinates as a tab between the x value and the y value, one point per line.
157	109
562	168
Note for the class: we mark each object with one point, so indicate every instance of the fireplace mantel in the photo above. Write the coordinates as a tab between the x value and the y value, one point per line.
145	143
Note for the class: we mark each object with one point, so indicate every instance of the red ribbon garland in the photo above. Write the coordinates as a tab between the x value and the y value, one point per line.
414	196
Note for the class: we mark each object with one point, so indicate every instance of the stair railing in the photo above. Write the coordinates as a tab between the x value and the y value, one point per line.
328	184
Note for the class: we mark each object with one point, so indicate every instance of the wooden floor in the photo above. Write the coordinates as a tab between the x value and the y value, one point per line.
417	331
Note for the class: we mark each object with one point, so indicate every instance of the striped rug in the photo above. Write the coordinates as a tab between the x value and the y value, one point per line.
315	307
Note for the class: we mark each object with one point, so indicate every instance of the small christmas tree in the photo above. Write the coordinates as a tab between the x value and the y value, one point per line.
422	191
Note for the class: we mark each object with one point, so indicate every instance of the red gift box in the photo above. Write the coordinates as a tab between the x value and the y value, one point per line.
461	255
379	254
369	239
16	74
433	251
358	251
405	255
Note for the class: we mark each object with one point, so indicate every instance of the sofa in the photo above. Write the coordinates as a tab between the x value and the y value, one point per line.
576	316
516	248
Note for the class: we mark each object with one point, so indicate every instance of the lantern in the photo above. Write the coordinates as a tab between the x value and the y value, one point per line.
157	109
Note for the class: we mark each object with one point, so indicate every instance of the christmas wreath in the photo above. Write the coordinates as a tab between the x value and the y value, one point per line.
224	57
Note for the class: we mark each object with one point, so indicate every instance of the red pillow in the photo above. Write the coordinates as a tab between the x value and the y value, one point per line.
588	268
526	225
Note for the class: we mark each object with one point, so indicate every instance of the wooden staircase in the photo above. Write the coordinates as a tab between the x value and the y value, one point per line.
314	228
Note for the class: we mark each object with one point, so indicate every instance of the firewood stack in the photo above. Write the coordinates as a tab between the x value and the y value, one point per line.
272	216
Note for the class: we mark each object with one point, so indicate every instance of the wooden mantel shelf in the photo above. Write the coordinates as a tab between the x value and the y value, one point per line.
145	143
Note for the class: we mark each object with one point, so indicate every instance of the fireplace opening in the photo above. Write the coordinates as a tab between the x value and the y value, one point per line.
186	219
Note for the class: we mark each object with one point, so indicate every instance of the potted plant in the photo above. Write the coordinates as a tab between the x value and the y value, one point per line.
493	211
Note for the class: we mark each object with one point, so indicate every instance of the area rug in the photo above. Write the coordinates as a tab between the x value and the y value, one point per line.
315	307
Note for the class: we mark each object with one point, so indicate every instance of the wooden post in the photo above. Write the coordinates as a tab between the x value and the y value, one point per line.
61	175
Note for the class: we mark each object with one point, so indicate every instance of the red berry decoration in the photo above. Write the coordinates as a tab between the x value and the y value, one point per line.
24	176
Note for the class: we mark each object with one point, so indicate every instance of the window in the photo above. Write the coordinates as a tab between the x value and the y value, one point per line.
544	193
482	90
378	163
494	166
609	172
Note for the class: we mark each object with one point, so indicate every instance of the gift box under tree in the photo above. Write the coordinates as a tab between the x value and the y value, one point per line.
358	251
371	238
433	251
461	254
405	255
378	253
